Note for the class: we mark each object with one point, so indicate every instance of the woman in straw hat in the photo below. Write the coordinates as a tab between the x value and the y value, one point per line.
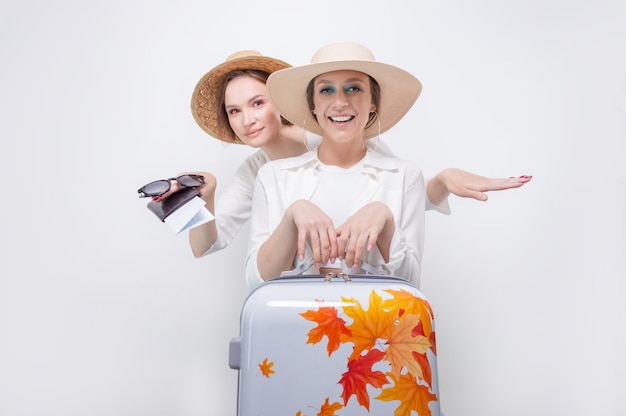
230	104
341	204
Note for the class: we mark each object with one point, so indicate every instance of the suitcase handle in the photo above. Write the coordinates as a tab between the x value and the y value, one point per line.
331	275
306	265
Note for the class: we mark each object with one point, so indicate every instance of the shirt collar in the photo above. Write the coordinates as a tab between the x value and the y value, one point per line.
372	159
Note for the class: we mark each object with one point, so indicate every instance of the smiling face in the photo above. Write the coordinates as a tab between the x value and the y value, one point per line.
342	104
252	117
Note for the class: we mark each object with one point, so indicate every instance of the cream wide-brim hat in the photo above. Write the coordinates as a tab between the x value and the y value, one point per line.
399	89
204	100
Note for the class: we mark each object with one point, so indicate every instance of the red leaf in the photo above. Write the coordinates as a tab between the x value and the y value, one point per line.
359	375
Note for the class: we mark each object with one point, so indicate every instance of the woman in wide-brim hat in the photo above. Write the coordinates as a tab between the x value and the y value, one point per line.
230	103
399	89
341	204
345	203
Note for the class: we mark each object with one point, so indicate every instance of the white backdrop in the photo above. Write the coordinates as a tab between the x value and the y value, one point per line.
103	311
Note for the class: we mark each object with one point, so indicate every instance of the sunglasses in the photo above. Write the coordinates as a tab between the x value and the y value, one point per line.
158	188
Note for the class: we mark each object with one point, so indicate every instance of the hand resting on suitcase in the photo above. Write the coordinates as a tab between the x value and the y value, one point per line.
370	226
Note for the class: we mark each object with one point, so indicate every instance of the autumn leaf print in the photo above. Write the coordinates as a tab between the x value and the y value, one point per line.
367	326
329	324
412	396
433	343
329	409
359	375
266	368
402	345
405	302
427	373
397	333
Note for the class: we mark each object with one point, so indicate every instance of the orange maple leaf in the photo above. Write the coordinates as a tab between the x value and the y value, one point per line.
359	375
406	302
412	396
402	346
367	326
266	368
329	324
433	342
419	330
424	364
329	409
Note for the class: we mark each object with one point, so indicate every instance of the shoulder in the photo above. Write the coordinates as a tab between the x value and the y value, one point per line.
393	168
290	163
252	164
389	162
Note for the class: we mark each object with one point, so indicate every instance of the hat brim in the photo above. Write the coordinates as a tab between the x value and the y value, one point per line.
204	100
399	90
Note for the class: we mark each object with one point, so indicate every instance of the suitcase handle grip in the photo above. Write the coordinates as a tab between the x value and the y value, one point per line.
306	265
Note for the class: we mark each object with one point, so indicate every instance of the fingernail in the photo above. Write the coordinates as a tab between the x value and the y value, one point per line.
355	267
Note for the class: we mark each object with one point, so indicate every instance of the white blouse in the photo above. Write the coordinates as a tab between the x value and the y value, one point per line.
232	209
394	181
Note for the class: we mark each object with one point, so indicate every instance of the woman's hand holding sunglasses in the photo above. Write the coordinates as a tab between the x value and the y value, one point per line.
161	189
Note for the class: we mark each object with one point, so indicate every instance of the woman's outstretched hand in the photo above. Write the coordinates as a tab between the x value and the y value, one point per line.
468	185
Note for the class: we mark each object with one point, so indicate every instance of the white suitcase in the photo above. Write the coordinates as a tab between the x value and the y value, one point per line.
336	345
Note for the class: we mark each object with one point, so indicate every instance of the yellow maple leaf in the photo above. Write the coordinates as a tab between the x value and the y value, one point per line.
266	368
406	302
367	326
402	344
412	396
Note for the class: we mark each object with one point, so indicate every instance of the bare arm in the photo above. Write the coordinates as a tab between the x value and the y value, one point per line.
202	237
302	221
467	185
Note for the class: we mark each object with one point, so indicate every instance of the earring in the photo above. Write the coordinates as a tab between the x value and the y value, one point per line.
375	145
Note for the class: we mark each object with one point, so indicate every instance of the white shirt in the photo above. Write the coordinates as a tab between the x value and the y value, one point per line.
336	185
394	181
232	209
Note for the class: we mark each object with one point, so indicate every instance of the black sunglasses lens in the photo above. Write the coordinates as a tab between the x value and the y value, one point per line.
190	180
156	188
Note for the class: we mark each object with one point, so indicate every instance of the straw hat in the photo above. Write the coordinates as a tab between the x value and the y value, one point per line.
399	89
204	100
